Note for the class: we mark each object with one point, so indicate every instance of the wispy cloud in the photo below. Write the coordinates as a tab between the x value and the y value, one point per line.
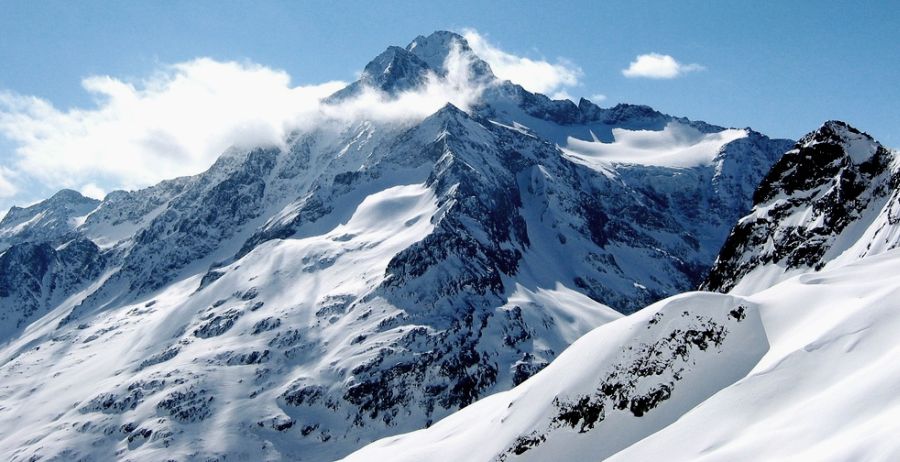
7	188
181	118
535	75
456	87
174	123
92	190
658	66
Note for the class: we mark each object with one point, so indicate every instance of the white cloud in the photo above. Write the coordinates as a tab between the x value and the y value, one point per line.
597	97
174	123
92	190
181	118
7	188
562	94
455	87
178	121
534	75
658	66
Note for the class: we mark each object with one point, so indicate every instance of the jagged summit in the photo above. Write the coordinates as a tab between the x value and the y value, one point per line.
835	148
830	198
63	197
447	112
401	69
435	48
395	70
834	130
860	146
49	220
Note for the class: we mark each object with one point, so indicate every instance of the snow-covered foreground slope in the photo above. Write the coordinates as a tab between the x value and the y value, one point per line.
827	389
805	370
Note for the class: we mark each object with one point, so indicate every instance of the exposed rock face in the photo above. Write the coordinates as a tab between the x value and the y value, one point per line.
435	48
198	220
813	206
394	70
49	220
617	385
645	377
36	276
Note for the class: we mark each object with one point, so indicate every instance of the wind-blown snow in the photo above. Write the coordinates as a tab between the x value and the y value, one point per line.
677	145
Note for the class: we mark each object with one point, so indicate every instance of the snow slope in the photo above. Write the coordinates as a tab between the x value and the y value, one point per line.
826	388
806	371
676	145
194	335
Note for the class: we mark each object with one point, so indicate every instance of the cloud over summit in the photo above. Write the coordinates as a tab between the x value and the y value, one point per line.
534	75
179	119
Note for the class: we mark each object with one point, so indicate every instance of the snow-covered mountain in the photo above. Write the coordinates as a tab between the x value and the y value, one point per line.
365	278
834	198
797	362
52	220
805	370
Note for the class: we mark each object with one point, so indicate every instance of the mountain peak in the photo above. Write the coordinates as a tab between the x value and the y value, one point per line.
45	221
834	179
64	199
448	119
435	48
68	195
399	69
450	110
834	130
856	144
839	126
395	69
442	37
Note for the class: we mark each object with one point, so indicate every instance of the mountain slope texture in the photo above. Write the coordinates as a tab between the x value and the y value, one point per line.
374	275
795	363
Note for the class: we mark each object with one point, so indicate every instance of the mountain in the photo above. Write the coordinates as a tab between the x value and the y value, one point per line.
397	69
794	363
831	199
703	376
368	277
50	220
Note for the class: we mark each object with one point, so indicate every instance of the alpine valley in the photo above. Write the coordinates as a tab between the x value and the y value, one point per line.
508	277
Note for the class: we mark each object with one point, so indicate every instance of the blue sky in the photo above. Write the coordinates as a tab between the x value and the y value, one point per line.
782	68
